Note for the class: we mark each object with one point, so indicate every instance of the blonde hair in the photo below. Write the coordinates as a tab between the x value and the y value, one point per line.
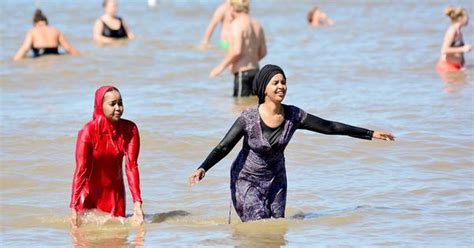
240	5
311	13
455	13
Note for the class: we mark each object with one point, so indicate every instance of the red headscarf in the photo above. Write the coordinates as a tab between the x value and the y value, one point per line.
102	124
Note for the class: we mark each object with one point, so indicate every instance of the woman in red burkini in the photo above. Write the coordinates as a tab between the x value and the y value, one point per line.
453	49
101	146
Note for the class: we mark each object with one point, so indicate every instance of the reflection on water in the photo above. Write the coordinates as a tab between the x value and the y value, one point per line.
267	233
116	236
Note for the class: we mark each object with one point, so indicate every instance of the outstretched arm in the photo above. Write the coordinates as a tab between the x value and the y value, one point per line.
21	53
316	124
226	145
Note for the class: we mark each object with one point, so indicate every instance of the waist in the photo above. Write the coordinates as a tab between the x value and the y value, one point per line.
249	72
45	50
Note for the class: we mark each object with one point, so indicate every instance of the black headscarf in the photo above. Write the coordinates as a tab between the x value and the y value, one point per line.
262	79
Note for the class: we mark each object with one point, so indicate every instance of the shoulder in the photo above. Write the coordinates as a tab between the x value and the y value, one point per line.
294	113
128	124
255	21
221	9
250	110
56	30
248	114
85	133
99	21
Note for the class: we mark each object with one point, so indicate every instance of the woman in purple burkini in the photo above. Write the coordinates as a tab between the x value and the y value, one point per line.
258	176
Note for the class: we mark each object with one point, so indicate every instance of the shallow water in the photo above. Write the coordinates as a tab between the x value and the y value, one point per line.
374	68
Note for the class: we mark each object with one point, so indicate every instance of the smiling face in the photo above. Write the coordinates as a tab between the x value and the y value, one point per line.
276	89
112	106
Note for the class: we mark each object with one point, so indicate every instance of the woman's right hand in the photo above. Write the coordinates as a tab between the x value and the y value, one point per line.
75	220
197	176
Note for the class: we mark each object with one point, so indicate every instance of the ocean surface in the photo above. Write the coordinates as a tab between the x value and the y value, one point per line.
375	68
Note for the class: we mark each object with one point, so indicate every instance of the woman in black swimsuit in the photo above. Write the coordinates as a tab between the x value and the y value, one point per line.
43	39
110	27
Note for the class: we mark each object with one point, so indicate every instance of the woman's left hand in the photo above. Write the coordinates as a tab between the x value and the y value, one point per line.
138	215
383	136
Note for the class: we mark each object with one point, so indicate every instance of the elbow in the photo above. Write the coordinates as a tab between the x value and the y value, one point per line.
236	56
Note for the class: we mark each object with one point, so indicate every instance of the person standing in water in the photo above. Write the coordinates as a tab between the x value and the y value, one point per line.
453	49
222	14
247	48
258	176
109	27
318	18
101	146
43	39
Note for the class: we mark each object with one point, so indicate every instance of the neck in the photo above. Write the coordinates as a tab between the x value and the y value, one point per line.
109	15
272	107
238	14
40	23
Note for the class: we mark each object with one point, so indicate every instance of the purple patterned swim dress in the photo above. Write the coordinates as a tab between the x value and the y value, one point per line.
258	176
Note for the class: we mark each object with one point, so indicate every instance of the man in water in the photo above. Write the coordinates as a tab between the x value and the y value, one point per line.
223	14
247	48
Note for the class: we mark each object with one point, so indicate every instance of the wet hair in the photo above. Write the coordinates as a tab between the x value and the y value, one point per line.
454	13
39	16
240	5
311	13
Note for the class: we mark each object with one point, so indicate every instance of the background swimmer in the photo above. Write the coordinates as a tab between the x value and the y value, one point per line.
102	144
317	18
109	26
247	48
453	49
43	39
222	14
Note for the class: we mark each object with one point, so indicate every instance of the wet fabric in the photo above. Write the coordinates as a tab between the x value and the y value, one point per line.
448	66
458	41
262	79
37	52
114	33
258	176
243	82
100	149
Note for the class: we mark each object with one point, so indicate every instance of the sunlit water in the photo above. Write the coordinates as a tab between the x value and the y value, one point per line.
374	68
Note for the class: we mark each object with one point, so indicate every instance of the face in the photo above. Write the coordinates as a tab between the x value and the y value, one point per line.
465	19
276	89
112	106
111	7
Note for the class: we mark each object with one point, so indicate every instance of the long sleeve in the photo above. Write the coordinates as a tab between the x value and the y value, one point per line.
235	133
316	124
83	166
133	175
